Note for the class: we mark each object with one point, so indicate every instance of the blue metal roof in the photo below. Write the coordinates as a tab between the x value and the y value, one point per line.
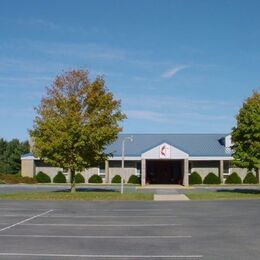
192	144
27	155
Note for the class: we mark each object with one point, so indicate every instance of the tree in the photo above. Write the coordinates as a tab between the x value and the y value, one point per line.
75	121
246	135
10	155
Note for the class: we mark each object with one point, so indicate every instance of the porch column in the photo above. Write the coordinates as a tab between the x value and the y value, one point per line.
186	173
257	175
143	172
107	171
221	170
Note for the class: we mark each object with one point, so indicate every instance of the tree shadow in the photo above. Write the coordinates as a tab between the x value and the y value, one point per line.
245	191
87	190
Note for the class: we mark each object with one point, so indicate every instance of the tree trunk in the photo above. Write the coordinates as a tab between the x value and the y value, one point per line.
72	181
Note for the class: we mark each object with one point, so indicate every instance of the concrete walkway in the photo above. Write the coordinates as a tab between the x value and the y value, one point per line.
170	197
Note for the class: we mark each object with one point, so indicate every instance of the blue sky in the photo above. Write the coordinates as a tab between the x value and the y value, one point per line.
177	66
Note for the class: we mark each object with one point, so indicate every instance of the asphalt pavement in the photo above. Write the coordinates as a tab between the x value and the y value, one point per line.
130	230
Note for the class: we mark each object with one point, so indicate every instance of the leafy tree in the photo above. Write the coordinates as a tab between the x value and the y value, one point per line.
10	155
75	121
246	135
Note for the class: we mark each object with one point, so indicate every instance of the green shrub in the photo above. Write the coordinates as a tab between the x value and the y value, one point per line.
79	178
211	178
134	179
95	179
233	178
116	179
250	178
59	178
195	178
42	177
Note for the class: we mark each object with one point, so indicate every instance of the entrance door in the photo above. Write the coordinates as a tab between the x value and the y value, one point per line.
164	172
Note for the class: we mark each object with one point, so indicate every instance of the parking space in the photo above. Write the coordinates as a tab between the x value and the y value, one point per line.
129	230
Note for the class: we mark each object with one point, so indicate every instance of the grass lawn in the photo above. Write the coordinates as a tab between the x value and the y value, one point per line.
89	195
223	195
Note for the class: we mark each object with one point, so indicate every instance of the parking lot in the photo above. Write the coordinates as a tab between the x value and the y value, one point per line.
130	230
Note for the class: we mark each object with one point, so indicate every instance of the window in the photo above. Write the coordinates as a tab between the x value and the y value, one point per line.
129	164
102	169
138	168
115	164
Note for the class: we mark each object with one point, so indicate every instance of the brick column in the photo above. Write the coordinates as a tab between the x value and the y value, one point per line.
28	168
186	173
221	171
143	172
107	171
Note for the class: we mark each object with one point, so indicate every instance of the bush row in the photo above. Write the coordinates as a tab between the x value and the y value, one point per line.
133	179
42	177
212	178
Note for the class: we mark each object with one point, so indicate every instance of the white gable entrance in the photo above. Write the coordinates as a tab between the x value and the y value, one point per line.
164	151
164	164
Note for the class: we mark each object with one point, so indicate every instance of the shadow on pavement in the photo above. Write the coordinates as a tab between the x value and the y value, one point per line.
246	191
87	190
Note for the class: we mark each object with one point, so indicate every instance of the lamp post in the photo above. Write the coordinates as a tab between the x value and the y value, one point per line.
127	138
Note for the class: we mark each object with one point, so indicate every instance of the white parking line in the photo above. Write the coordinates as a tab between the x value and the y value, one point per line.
28	219
99	225
22	209
94	237
88	216
107	216
103	256
16	215
118	210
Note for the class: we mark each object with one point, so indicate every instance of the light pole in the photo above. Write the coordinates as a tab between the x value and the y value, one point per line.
127	138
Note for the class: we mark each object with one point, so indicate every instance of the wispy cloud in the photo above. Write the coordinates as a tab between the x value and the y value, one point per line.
39	23
173	71
146	115
179	112
82	51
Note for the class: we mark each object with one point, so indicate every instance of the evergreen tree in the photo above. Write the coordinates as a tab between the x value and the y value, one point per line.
10	155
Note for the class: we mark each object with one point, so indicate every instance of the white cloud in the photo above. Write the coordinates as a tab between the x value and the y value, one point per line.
173	71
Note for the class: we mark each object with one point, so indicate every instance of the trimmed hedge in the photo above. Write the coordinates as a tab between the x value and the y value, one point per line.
195	178
134	179
79	178
116	179
95	179
59	178
42	177
211	178
250	178
233	178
